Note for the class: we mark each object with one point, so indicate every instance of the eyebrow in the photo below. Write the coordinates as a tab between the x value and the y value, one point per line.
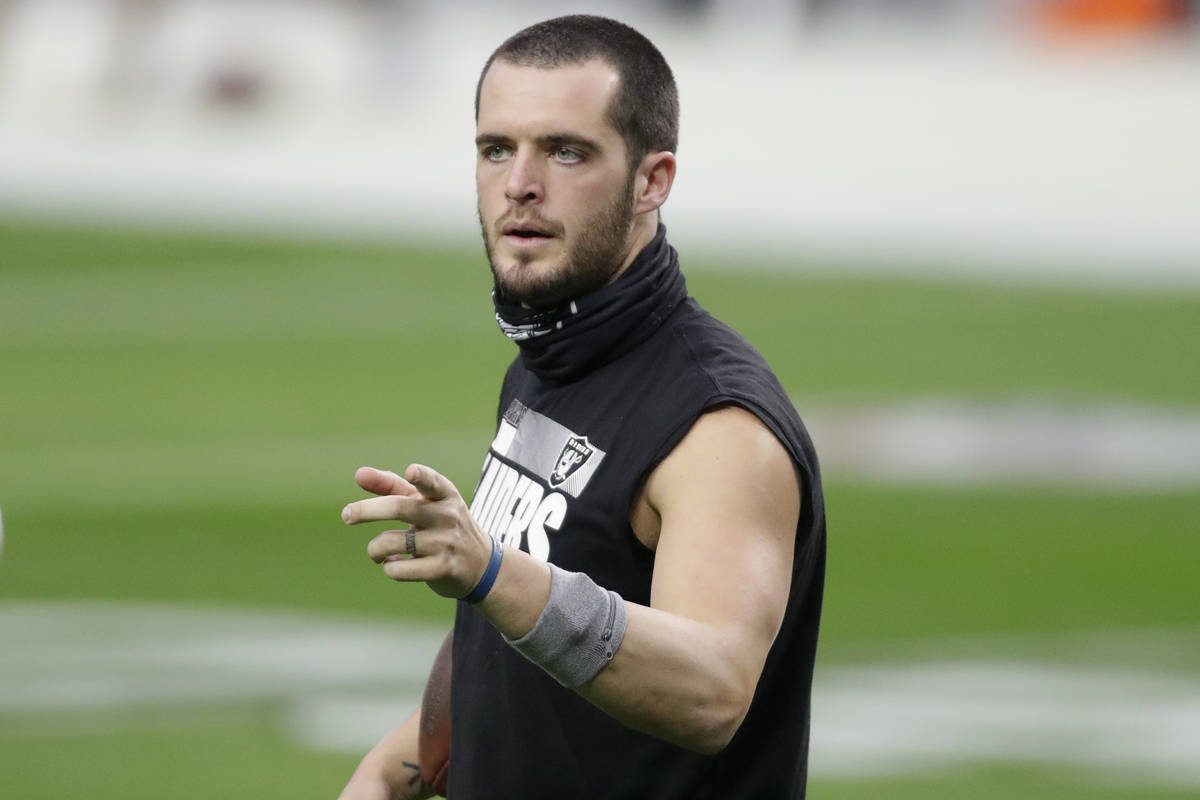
490	138
548	141
571	139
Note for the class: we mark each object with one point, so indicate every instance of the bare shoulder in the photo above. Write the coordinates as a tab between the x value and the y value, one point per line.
728	464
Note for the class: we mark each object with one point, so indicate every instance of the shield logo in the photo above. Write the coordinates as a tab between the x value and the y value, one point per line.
574	455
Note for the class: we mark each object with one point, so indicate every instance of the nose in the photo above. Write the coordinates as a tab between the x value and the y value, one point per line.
524	184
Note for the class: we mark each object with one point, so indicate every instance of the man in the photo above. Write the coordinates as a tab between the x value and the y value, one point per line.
641	568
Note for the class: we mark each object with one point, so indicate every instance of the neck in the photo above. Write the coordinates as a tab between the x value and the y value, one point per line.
645	227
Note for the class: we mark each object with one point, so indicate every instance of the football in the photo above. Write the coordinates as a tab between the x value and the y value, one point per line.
433	742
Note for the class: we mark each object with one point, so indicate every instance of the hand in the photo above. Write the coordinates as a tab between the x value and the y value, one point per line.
452	551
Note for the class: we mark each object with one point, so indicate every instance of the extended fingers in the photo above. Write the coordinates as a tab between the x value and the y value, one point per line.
380	481
412	509
430	482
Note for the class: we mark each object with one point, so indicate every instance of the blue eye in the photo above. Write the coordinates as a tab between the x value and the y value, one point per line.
567	155
495	152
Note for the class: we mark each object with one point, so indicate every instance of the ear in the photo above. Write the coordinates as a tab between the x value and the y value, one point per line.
652	185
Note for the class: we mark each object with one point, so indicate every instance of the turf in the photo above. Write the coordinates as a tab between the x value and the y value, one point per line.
902	564
999	782
182	415
186	753
859	337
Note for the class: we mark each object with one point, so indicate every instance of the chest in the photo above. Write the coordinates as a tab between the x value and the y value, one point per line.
562	480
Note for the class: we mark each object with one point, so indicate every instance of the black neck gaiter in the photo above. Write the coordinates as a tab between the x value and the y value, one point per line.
561	344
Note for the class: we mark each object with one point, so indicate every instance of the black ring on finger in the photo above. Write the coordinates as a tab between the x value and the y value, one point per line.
410	542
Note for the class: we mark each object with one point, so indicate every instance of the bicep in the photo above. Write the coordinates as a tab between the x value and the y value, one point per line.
728	499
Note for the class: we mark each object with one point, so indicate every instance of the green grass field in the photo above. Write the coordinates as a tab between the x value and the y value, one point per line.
181	416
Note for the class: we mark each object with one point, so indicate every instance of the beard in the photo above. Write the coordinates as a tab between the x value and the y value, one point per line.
594	256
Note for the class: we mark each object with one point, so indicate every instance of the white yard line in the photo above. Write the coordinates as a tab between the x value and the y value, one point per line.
342	683
902	718
953	442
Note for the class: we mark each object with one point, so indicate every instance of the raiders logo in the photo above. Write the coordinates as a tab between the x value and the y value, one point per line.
574	455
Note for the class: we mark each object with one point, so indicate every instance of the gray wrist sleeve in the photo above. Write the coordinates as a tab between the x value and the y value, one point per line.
578	631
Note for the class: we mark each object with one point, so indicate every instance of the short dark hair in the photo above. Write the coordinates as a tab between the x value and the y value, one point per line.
645	110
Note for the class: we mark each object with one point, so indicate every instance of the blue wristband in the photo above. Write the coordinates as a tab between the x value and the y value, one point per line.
489	575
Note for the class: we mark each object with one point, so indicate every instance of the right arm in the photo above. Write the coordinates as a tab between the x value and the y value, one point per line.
390	771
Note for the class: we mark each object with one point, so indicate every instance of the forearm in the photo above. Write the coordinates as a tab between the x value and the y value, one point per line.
389	771
675	678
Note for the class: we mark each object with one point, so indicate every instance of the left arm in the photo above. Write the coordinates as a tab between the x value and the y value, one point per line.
723	506
726	501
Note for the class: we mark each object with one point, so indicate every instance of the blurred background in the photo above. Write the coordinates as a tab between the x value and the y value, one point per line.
239	258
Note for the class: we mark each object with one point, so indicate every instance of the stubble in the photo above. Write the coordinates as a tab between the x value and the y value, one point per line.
598	251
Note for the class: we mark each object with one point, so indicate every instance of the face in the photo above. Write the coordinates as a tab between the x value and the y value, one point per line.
555	191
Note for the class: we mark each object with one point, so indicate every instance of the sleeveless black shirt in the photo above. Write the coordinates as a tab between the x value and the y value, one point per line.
587	410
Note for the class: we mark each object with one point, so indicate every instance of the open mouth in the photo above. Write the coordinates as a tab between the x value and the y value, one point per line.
518	235
527	231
